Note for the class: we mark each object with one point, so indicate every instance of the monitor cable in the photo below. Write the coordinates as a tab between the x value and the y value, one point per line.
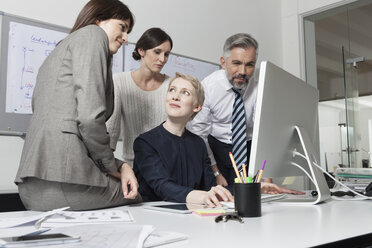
334	196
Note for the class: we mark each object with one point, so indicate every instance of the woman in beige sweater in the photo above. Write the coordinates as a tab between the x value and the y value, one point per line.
140	94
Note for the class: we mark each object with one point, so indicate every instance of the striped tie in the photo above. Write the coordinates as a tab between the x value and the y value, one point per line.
239	134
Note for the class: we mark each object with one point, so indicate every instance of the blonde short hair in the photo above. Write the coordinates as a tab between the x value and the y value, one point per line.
199	90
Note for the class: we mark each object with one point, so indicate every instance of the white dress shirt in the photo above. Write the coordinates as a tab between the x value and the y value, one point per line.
215	118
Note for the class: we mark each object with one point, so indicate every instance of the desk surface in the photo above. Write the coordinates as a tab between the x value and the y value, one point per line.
280	225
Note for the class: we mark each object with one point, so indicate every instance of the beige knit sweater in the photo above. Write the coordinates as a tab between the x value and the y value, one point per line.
135	111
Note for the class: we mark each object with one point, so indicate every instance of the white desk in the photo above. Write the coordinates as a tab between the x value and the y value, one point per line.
279	226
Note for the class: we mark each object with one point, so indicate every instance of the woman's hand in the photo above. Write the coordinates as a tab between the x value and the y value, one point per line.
218	193
211	198
270	188
129	182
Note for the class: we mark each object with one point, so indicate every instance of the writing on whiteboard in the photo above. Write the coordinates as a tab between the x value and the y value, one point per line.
27	49
176	63
182	63
42	41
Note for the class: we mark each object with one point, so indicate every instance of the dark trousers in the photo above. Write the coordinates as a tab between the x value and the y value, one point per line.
221	154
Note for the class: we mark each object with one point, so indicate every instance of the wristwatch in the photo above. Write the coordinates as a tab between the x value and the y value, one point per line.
216	173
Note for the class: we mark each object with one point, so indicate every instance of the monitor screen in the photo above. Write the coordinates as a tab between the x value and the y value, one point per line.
283	102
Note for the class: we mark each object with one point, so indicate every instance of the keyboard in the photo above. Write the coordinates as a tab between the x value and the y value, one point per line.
307	197
264	198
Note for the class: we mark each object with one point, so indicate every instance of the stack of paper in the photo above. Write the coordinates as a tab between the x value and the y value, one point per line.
112	235
112	228
67	218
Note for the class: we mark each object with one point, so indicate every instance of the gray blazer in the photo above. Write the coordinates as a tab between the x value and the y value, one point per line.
67	140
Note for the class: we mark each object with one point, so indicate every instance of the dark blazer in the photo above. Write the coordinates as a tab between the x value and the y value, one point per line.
169	167
67	140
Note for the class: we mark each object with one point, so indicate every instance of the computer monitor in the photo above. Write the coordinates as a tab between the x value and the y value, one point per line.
285	122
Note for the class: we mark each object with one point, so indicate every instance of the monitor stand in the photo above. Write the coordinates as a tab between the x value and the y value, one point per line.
317	175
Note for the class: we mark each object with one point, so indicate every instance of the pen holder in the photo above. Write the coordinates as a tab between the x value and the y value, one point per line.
247	199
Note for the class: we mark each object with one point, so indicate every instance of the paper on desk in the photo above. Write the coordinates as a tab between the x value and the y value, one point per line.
17	221
209	211
288	180
157	238
68	218
107	235
20	231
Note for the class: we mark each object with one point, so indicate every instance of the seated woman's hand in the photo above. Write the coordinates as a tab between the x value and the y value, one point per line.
270	188
216	194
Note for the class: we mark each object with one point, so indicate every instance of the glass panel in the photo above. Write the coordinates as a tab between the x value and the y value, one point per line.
333	40
331	35
352	112
360	87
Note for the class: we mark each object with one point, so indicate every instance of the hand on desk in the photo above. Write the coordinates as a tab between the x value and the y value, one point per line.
270	188
211	198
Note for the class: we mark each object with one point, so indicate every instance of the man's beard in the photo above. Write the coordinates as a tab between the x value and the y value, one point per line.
239	84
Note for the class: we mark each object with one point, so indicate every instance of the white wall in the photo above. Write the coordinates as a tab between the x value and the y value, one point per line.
199	28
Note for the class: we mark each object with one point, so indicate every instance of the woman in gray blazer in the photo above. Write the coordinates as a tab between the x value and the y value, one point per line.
66	158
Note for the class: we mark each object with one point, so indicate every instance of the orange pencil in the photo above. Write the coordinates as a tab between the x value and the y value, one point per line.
244	173
235	168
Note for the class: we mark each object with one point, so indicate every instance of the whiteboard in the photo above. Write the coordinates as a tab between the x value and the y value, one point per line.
28	46
25	44
176	63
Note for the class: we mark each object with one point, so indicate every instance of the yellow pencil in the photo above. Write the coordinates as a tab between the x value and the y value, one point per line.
244	173
235	168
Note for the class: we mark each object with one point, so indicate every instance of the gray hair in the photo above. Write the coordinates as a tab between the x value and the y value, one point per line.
241	40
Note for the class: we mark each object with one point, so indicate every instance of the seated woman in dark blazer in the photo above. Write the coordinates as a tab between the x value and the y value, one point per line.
172	163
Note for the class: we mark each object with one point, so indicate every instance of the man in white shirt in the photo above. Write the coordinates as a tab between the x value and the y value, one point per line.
214	122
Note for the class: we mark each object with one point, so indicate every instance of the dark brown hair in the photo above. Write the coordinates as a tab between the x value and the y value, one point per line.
151	38
101	10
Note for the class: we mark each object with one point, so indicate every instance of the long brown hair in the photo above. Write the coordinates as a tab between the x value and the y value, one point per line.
100	10
151	38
